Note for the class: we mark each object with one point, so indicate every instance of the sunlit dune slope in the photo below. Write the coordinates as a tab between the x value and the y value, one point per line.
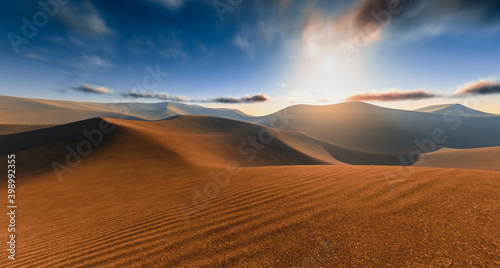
480	158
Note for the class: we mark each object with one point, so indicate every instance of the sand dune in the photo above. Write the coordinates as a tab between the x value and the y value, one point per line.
201	191
216	141
383	135
480	158
364	127
131	202
22	111
12	129
453	109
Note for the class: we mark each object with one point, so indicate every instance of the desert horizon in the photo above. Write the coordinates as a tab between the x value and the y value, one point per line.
262	133
169	184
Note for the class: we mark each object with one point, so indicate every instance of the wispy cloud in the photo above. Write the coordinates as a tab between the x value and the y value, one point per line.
84	19
394	96
282	84
482	87
35	56
241	42
92	89
97	61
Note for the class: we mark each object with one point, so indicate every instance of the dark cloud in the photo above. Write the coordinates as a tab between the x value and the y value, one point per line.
394	96
92	89
146	95
407	15
165	96
480	88
246	99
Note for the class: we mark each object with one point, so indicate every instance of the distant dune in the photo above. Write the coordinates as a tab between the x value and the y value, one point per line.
364	127
306	186
351	132
48	112
480	158
453	109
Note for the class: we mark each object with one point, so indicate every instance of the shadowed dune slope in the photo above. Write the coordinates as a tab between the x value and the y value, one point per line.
364	127
186	140
200	141
480	158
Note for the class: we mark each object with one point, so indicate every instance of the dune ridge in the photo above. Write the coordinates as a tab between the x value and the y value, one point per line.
372	129
140	198
26	111
453	109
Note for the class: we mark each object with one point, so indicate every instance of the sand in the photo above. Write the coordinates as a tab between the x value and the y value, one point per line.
294	204
478	158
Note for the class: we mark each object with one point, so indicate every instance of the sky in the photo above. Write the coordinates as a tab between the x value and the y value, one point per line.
254	55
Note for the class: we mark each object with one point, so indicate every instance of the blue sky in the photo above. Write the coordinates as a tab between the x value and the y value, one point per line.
257	56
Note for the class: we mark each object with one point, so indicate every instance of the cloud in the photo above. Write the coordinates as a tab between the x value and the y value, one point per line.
482	87
394	96
97	61
419	14
92	89
164	96
35	56
241	42
368	21
84	19
146	95
246	99
282	84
